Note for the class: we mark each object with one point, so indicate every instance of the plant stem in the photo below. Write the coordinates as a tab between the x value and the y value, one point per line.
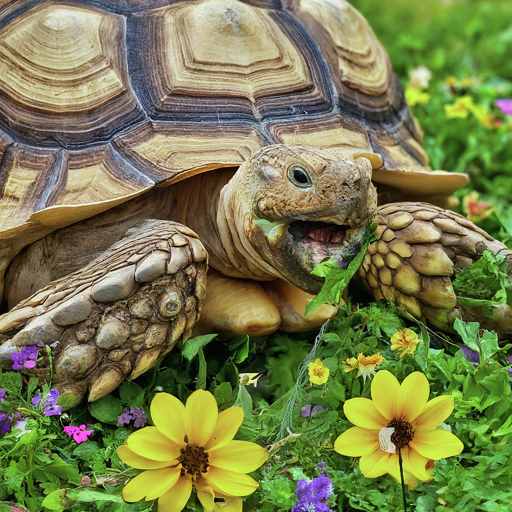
400	463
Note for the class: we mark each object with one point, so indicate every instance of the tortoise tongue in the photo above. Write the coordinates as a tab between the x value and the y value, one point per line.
321	232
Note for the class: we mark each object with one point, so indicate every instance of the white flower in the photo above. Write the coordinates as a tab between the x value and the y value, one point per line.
420	77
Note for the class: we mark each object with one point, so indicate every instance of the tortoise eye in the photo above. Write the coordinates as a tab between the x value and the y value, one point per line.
299	176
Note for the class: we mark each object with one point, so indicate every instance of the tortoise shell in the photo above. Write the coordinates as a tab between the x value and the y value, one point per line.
101	100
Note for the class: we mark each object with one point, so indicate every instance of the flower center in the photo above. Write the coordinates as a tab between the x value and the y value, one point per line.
194	461
318	372
403	433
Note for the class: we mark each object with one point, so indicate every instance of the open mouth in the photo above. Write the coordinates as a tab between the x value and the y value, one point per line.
317	232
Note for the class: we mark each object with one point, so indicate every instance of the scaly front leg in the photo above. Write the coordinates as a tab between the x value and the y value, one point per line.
420	250
118	315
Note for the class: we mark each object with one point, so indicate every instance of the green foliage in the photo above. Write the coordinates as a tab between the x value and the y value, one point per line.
337	279
466	44
484	283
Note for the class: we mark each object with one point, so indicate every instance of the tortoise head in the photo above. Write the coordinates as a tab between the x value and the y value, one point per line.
296	206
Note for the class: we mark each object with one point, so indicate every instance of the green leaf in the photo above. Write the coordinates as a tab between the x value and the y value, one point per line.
482	283
239	345
337	279
54	501
488	345
131	394
192	346
244	401
201	374
88	496
223	393
63	470
469	333
106	409
32	386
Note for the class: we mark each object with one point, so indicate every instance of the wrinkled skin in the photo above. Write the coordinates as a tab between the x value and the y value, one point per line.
293	207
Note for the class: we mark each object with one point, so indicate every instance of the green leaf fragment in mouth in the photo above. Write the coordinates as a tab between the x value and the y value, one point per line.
337	279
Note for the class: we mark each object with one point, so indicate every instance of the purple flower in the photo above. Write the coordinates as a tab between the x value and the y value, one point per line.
307	411
2	394
124	418
50	405
79	434
505	105
139	417
470	355
314	495
321	468
5	423
25	358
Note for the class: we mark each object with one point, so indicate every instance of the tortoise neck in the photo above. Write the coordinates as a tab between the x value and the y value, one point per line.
209	203
234	219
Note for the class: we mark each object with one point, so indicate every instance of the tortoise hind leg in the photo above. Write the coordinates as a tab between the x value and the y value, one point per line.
119	314
421	248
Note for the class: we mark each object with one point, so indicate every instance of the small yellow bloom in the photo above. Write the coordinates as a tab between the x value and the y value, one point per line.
460	109
415	96
475	210
191	445
318	372
365	365
405	341
398	418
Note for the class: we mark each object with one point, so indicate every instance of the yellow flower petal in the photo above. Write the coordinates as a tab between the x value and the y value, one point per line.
436	444
356	442
415	464
149	482
200	417
163	480
363	413
228	423
232	505
413	396
205	495
239	456
229	482
379	463
385	392
138	462
435	412
151	444
168	415
175	499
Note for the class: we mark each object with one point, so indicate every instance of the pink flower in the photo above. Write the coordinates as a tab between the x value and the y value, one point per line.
79	434
505	106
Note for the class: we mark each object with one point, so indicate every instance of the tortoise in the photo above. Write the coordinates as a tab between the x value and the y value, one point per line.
166	158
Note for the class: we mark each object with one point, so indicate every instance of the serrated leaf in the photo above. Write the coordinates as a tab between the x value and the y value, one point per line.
468	332
192	346
337	279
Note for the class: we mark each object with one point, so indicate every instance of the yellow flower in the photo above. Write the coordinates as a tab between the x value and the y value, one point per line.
365	365
399	417
191	445
404	341
415	96
318	372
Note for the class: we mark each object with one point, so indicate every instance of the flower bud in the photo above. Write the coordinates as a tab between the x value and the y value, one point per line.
85	482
